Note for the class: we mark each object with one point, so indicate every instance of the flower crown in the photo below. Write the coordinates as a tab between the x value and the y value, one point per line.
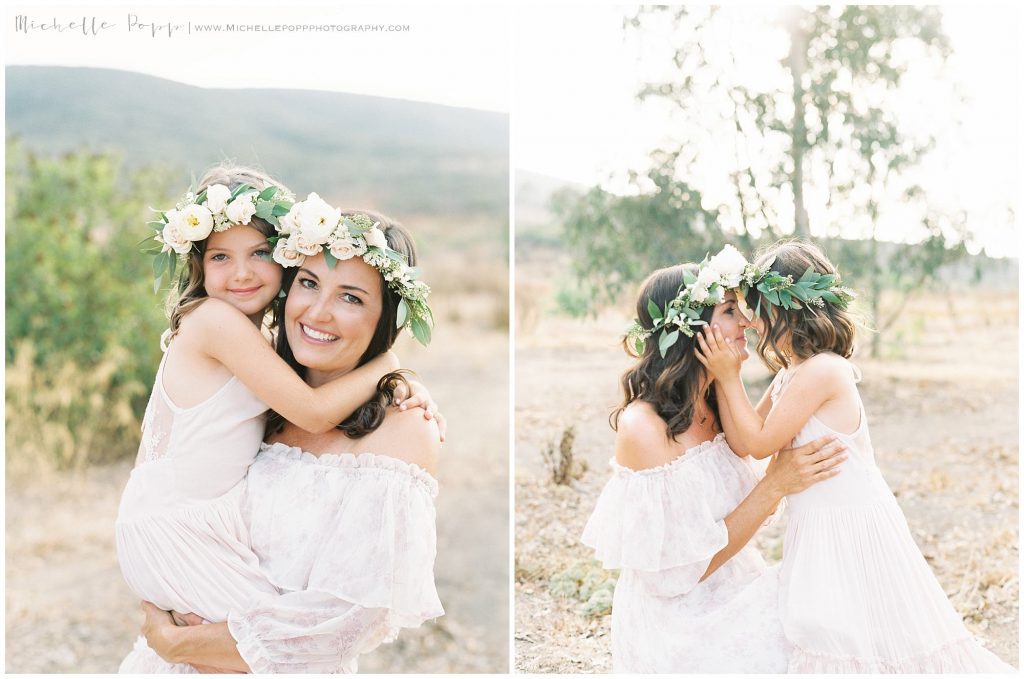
681	315
727	270
312	226
812	288
215	209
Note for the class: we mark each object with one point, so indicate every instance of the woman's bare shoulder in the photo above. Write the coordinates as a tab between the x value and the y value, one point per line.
641	439
410	437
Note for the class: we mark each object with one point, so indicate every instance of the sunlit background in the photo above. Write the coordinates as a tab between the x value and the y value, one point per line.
578	118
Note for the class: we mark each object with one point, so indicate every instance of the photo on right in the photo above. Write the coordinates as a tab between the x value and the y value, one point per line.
766	340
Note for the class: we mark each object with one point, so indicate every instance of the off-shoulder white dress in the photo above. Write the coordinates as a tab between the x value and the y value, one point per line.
350	541
662	526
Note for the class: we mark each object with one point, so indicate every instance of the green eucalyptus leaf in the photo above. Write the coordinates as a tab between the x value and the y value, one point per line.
239	190
403	313
666	341
330	259
264	208
421	331
653	309
829	296
268	193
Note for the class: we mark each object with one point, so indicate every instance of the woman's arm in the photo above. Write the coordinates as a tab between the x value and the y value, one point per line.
211	645
794	470
225	335
817	383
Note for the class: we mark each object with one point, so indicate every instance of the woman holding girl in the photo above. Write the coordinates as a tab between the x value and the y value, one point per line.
187	526
681	507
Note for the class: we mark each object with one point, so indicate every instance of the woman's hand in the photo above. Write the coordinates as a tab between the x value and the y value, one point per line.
718	354
159	630
155	630
419	397
795	469
186	619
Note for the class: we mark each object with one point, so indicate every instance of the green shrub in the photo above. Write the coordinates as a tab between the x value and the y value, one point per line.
83	322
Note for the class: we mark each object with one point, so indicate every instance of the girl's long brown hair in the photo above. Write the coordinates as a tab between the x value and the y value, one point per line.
192	288
673	384
370	415
809	330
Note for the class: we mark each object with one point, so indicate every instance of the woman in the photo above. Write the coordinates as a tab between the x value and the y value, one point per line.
681	506
343	522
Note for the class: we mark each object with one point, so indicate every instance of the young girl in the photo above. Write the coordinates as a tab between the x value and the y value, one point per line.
181	541
856	594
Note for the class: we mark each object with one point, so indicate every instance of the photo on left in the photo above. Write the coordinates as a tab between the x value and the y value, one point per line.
257	341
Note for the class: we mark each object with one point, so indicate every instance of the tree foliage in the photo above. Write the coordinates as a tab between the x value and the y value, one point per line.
807	111
80	299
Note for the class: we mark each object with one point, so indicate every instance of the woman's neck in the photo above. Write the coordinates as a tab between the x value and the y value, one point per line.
317	378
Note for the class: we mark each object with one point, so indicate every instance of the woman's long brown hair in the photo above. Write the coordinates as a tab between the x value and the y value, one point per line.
673	384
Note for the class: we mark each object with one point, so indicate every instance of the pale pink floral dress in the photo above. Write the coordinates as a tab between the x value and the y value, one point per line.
311	561
661	527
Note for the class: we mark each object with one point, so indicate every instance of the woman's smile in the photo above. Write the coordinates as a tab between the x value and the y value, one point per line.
317	336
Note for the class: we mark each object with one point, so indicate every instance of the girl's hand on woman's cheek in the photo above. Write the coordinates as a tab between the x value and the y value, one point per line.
717	353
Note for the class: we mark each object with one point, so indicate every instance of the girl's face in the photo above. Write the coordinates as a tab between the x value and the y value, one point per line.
330	315
237	268
731	322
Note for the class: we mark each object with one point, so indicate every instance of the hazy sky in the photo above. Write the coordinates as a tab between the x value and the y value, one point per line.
576	115
454	55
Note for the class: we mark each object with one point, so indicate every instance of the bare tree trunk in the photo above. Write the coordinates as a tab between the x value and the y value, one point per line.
797	67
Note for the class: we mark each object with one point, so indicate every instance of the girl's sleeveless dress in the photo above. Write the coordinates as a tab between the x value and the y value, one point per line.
662	526
181	540
856	594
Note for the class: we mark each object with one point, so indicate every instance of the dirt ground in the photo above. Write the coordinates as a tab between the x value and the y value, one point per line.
68	609
942	403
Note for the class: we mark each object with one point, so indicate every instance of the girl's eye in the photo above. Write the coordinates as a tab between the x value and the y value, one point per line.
350	298
219	257
307	283
262	253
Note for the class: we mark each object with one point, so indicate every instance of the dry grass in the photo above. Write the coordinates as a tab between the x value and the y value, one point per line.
943	422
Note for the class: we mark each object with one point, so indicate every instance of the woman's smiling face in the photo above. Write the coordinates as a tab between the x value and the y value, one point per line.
731	322
330	315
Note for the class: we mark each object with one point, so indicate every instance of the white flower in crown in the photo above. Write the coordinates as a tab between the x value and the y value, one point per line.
698	293
316	219
194	222
286	223
217	197
241	209
346	248
302	245
730	266
286	255
376	238
706	276
377	259
172	239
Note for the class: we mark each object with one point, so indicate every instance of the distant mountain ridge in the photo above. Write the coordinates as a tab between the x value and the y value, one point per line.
410	156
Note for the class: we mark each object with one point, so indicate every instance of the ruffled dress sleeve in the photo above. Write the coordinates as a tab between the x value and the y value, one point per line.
667	523
351	542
